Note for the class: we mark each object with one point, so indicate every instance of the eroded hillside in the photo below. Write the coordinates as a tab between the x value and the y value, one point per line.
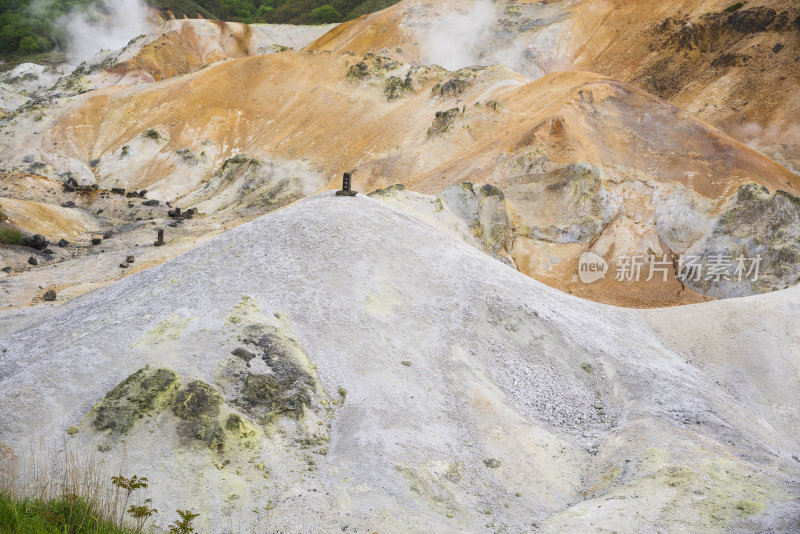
341	365
558	117
185	298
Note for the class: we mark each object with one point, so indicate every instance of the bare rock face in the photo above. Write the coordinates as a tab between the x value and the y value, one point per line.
479	214
484	209
761	228
587	205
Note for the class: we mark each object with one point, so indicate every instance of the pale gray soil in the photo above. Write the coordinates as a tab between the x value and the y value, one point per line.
601	419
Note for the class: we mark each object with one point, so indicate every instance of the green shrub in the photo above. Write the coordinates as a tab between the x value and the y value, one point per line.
10	236
325	14
735	7
28	45
184	524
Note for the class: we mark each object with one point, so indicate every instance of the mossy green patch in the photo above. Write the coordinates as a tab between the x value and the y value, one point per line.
492	463
734	7
453	473
387	191
372	65
273	396
458	83
145	392
239	427
270	379
197	400
151	134
757	219
495	105
443	121
10	236
753	191
396	87
198	405
491	190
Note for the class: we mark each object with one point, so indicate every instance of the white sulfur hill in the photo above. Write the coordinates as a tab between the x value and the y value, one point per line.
340	363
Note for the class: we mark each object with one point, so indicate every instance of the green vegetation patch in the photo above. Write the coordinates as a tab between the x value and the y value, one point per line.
57	516
766	226
372	66
735	7
10	236
30	29
201	411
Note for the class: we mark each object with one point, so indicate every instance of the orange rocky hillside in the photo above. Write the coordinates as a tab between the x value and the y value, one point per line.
736	68
585	163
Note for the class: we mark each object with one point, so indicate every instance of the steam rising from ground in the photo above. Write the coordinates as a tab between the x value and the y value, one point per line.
107	25
483	32
452	41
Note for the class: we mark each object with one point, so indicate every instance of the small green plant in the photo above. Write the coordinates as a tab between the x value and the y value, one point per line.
10	236
129	485
140	515
735	7
184	525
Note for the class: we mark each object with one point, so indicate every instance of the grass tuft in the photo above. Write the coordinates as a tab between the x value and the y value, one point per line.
68	514
62	492
10	236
